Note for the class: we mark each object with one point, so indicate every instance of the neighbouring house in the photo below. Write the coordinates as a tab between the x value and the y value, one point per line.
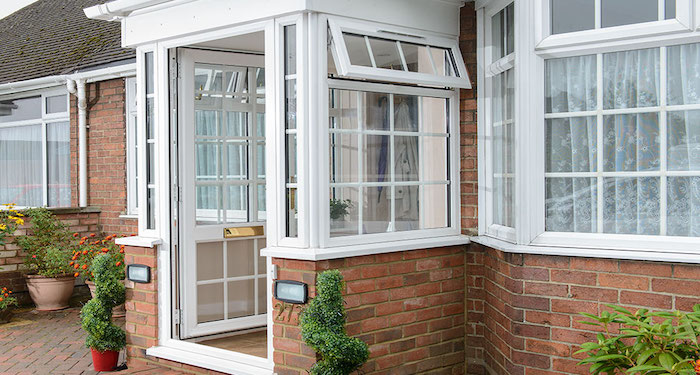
480	172
67	122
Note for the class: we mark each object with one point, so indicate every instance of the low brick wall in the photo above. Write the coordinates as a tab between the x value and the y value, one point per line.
83	221
523	309
407	306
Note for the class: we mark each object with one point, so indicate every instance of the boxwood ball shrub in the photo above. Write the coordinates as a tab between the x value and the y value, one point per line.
323	329
96	315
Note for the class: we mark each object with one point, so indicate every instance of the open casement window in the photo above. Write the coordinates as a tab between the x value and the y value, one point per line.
369	52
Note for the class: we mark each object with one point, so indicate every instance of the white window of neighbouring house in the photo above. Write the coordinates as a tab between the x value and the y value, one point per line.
391	134
132	145
35	150
149	129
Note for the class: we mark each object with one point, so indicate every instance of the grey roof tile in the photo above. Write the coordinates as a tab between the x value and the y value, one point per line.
52	37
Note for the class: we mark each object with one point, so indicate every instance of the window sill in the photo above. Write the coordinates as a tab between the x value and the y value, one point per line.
196	358
573	251
129	216
138	241
74	210
316	254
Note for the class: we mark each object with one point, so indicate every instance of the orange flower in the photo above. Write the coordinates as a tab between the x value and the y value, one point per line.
105	250
82	242
71	263
92	234
76	266
84	266
121	247
108	238
121	251
119	264
84	238
76	274
75	235
9	292
85	252
6	295
1	299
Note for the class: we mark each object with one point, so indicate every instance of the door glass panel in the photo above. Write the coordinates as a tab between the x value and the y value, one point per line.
262	295
210	261
210	302
241	300
240	258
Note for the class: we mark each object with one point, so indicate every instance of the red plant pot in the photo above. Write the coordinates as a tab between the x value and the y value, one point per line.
104	361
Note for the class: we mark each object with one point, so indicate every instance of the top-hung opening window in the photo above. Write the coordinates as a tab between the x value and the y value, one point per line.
369	52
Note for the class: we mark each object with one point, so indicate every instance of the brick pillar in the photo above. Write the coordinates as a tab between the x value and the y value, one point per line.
407	306
141	307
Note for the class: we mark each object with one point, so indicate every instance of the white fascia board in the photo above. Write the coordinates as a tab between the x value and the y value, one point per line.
117	9
102	74
438	16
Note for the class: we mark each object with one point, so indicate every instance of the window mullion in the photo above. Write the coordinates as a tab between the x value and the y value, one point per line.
599	138
598	14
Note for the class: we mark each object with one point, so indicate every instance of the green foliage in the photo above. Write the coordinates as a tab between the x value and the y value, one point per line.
10	219
323	329
339	208
647	343
48	247
6	299
96	315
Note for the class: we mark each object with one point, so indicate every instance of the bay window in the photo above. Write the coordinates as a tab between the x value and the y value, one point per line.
614	164
35	150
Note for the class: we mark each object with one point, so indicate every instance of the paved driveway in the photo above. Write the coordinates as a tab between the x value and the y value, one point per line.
50	343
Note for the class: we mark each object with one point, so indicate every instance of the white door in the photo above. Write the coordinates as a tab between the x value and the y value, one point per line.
222	209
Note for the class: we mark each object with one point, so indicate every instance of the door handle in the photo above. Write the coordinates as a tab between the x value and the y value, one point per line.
238	232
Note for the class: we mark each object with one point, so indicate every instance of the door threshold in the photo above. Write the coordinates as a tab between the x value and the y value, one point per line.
212	358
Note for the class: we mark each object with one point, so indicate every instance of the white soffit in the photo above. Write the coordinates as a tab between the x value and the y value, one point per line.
147	21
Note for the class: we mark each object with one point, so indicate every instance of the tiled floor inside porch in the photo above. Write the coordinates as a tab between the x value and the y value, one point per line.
51	343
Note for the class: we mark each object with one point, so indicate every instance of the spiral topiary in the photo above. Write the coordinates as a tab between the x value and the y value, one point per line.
96	315
323	329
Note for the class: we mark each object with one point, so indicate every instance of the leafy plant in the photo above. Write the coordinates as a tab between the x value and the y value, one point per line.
89	247
339	208
323	329
9	220
6	299
647	343
48	246
96	315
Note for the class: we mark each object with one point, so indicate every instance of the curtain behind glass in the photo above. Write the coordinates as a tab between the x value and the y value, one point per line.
58	152
21	165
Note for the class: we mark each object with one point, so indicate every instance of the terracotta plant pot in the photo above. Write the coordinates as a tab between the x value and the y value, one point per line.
6	315
117	311
104	361
50	293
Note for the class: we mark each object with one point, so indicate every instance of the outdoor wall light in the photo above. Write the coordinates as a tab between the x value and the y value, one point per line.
138	273
291	291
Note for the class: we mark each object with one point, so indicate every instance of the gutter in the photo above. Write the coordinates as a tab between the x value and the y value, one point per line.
117	9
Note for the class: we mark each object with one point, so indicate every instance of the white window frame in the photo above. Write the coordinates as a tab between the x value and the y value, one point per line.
612	36
530	193
338	26
44	120
492	68
141	97
132	149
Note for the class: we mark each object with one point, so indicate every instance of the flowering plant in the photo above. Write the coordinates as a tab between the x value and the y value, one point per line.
89	247
6	299
9	220
48	244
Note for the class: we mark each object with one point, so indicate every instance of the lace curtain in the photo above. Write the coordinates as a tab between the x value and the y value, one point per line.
21	166
630	157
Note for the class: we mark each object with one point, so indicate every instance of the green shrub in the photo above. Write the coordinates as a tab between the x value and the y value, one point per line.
48	247
96	315
647	343
323	329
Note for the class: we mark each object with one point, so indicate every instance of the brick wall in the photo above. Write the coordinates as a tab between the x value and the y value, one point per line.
106	154
407	306
523	309
467	107
12	257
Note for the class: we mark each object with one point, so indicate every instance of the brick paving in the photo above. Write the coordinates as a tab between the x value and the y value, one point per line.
51	343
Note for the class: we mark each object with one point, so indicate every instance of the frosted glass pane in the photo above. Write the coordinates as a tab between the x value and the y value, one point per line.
631	142
683	207
631	79
571	205
241	298
210	302
240	258
210	261
571	84
684	141
262	296
570	144
434	207
631	205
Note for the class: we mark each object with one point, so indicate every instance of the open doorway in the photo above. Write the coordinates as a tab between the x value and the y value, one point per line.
222	279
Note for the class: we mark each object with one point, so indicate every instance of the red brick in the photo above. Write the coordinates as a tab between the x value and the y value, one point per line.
594	264
547	347
646	268
574	277
623	281
653	300
594	294
683	287
574	307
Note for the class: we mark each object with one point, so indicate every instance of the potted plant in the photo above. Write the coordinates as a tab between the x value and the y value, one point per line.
6	303
104	338
643	342
338	211
49	278
87	249
323	329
